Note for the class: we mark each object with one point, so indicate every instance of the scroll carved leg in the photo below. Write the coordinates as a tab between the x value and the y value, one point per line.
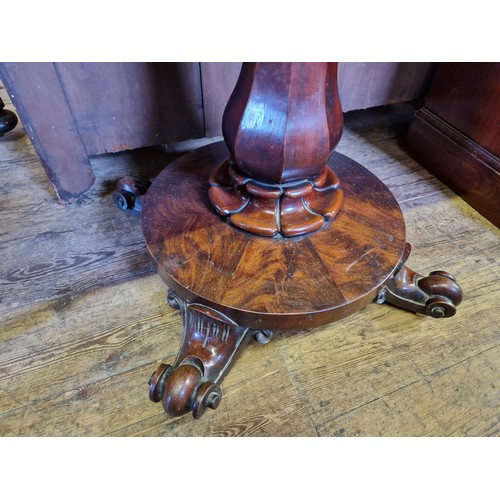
210	345
436	295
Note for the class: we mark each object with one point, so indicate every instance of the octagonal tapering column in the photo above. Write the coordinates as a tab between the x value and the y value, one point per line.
280	125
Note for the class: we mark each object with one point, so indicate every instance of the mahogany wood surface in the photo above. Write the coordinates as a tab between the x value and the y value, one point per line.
361	85
462	164
211	343
275	283
76	109
467	96
283	120
290	209
70	367
456	134
280	125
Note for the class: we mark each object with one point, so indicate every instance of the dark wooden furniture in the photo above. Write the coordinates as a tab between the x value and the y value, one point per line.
271	231
456	134
8	119
72	111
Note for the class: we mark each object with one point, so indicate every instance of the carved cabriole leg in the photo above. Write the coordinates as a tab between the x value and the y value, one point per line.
210	345
436	295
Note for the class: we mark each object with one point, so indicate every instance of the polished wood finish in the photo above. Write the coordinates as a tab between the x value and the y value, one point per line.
211	343
280	125
455	134
128	193
467	96
291	209
79	109
436	295
283	120
228	281
277	283
361	85
84	319
275	176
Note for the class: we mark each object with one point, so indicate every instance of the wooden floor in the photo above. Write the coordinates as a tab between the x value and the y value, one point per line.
84	318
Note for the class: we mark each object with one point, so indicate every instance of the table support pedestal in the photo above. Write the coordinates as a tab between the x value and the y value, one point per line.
269	230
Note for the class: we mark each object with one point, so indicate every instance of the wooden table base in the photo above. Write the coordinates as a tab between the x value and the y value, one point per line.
232	286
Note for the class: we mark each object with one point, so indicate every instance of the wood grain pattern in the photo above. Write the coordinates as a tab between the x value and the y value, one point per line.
272	283
75	362
361	85
73	110
54	242
283	120
281	124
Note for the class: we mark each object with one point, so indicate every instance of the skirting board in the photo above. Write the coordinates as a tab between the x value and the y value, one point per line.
462	164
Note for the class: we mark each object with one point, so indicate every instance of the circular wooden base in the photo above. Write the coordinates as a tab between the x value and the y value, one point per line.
272	283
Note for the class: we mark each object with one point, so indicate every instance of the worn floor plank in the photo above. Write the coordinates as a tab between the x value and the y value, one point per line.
84	320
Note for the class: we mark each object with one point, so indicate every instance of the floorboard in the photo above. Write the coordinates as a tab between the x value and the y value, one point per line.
84	319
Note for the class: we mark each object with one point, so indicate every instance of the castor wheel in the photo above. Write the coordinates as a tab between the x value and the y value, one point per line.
157	382
8	119
129	190
436	295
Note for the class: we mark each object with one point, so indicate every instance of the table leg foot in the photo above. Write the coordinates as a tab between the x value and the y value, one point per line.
210	345
436	295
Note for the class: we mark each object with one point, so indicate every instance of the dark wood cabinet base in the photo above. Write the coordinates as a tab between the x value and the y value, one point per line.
232	286
455	134
462	164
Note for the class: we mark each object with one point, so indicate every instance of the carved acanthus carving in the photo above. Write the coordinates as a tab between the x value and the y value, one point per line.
267	209
210	345
280	125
